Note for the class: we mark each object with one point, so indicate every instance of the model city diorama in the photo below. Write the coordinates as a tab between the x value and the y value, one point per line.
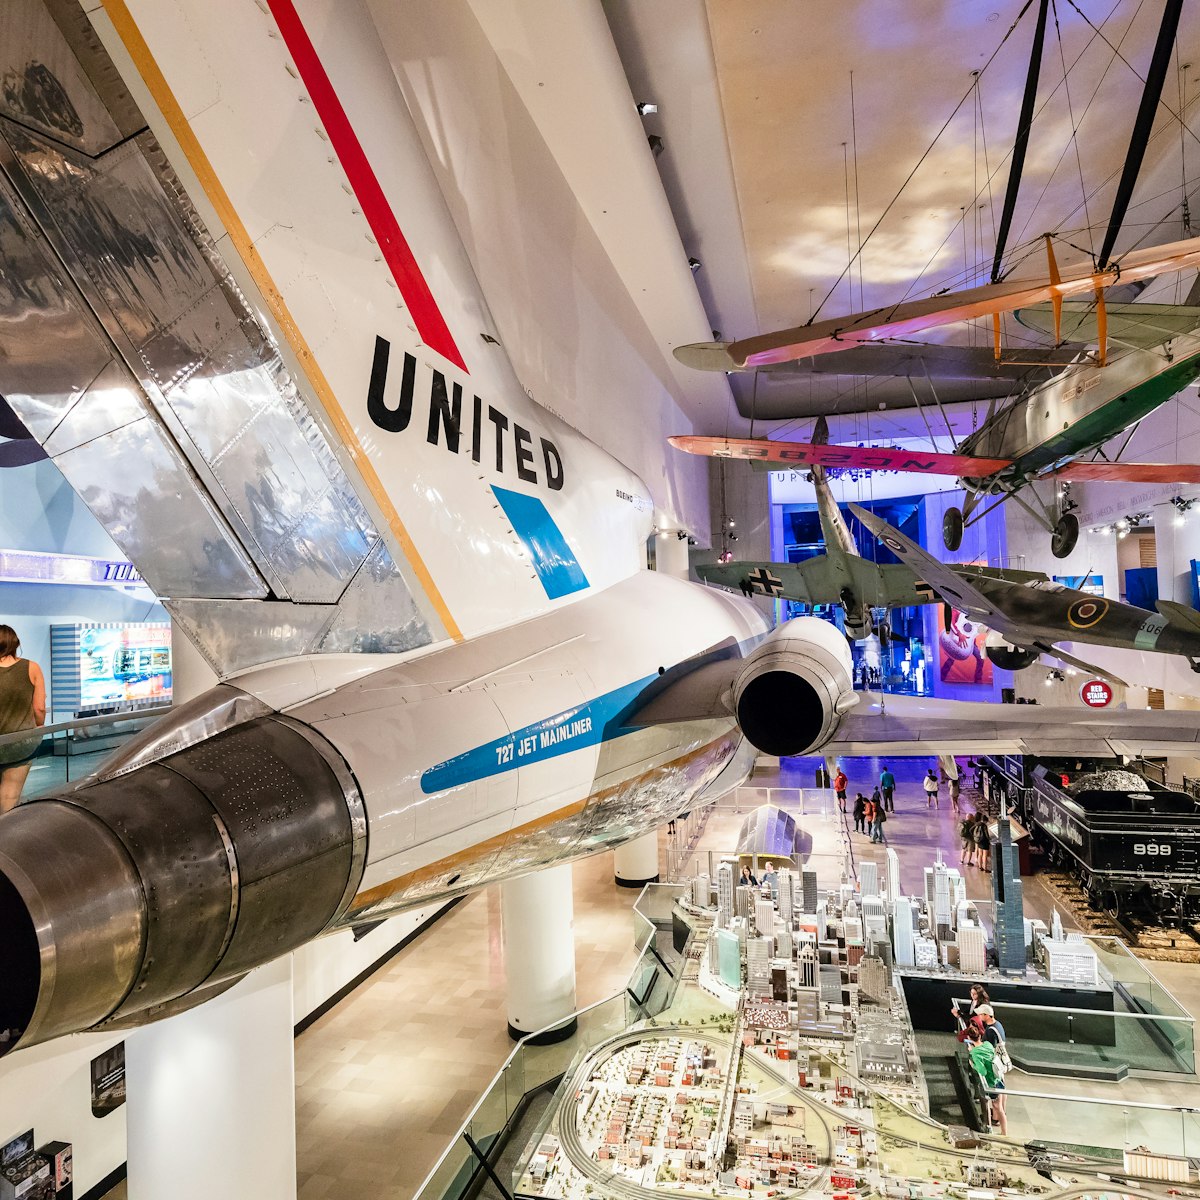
787	1059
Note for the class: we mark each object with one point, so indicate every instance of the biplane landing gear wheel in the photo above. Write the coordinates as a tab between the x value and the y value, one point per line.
952	528
1065	535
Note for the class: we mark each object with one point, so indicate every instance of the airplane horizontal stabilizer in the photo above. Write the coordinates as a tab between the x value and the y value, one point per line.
1081	664
907	725
1105	472
1179	614
866	458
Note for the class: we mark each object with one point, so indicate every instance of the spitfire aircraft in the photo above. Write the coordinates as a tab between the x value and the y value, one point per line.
245	326
1033	618
841	575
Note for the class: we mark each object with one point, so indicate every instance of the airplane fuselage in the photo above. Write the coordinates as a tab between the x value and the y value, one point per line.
1082	409
1050	613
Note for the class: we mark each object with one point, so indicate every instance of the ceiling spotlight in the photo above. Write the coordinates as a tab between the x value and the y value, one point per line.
645	108
681	534
657	145
1182	505
732	522
1054	675
694	263
691	541
726	556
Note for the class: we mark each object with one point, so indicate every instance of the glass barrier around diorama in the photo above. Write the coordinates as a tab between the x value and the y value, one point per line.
1098	1042
1137	987
1113	1126
65	751
531	1068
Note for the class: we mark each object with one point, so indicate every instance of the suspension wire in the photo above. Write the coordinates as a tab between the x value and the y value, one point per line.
1087	217
988	173
847	273
979	191
925	154
857	203
1178	117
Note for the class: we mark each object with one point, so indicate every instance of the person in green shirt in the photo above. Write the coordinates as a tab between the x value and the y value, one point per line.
887	785
983	1058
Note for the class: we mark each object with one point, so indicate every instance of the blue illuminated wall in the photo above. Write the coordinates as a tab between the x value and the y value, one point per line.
796	535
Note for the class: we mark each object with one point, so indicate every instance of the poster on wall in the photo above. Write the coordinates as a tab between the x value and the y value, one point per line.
961	658
108	1081
123	665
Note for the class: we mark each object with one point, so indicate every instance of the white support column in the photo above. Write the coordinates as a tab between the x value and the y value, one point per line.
636	863
538	913
211	1108
671	554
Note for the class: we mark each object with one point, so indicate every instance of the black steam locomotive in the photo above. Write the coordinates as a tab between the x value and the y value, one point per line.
1133	844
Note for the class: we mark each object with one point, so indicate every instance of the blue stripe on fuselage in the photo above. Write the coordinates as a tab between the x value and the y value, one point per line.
584	725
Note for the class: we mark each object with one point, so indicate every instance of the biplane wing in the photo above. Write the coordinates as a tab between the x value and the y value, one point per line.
913	316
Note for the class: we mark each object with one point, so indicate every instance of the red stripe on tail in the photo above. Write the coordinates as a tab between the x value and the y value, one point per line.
431	325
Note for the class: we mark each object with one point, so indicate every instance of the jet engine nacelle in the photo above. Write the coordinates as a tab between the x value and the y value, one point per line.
1007	656
790	695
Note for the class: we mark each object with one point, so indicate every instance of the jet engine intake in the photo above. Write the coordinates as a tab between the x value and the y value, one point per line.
123	897
791	692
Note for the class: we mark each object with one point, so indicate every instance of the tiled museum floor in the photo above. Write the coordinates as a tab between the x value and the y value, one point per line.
386	1078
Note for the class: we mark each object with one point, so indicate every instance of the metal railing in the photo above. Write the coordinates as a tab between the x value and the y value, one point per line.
64	751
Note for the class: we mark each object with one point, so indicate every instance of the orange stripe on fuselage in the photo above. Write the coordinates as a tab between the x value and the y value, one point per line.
172	113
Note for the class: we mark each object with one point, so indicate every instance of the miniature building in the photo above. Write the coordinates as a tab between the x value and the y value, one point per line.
872	979
1009	934
725	891
868	878
902	932
893	876
972	949
1071	961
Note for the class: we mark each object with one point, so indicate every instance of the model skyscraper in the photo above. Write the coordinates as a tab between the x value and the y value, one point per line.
1009	934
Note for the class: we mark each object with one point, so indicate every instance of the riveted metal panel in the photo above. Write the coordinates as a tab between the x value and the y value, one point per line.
44	84
39	308
377	614
208	714
140	490
169	831
286	813
235	634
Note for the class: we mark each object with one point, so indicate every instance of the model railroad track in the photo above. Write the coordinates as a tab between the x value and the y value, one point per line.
1148	939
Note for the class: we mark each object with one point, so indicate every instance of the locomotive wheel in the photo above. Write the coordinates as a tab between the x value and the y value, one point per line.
1065	535
952	528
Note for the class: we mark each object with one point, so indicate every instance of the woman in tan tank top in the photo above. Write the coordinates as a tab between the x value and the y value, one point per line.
22	706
